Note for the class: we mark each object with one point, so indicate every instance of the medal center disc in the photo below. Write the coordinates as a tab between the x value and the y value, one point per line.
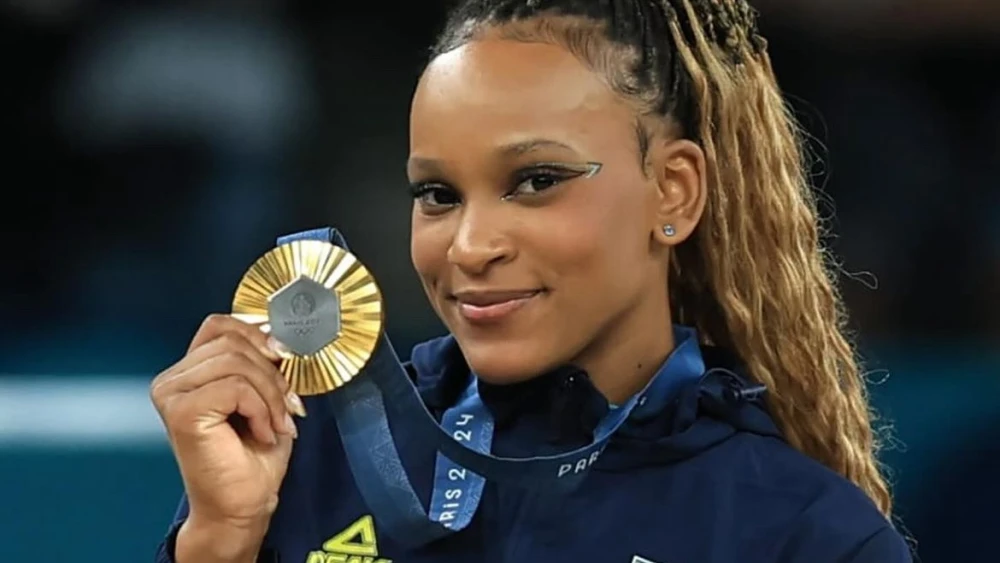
304	316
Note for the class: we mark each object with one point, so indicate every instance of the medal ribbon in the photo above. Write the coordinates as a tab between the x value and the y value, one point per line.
462	441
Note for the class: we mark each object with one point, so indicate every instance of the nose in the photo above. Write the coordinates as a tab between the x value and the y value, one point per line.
479	243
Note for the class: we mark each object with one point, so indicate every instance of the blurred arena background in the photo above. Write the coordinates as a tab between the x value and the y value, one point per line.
157	148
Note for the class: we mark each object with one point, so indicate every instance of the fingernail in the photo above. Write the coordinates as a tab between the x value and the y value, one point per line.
269	353
278	348
295	404
290	425
271	439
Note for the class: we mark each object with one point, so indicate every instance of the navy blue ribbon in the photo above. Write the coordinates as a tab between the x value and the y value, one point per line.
462	440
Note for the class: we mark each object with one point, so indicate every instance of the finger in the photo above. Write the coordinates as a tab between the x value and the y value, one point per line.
236	341
216	403
226	342
234	362
168	383
283	450
260	426
218	324
251	406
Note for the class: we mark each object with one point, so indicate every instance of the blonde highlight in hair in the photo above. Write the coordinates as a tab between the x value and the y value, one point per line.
756	276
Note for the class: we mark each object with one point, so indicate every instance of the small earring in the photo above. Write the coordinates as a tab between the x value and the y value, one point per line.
669	230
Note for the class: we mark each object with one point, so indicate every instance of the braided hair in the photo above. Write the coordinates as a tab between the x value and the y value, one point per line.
755	277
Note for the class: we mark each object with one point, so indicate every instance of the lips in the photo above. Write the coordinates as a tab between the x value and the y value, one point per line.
487	298
492	306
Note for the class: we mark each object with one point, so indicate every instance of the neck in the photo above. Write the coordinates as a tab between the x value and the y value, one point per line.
629	352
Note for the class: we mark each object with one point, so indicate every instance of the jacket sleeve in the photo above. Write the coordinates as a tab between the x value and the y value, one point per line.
837	545
884	546
843	541
165	551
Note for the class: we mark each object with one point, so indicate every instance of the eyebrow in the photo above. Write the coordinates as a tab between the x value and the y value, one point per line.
509	149
531	145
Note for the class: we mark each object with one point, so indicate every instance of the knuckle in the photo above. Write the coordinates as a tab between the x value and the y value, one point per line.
215	320
273	388
244	389
251	397
232	340
254	405
233	359
241	385
158	392
155	394
277	398
270	393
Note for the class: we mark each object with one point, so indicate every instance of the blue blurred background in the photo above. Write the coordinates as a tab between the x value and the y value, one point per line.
156	151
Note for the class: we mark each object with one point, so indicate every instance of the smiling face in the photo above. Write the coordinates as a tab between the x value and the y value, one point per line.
534	228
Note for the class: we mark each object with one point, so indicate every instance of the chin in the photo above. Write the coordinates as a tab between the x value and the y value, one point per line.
505	363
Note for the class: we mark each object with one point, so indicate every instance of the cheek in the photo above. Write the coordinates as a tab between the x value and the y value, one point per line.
594	233
429	242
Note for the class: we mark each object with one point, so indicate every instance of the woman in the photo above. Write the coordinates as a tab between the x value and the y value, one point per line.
610	206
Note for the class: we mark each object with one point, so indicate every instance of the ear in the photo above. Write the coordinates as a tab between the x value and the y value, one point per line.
679	168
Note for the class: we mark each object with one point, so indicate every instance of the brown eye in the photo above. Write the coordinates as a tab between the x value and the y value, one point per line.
537	183
534	181
434	196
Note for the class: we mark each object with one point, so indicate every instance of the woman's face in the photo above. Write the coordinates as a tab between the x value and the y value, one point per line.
533	222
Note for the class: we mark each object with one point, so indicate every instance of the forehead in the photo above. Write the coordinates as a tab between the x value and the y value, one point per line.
493	87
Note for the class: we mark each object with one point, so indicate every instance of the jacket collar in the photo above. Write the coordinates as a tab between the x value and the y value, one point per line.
563	404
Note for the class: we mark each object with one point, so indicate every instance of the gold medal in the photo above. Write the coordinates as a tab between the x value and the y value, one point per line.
319	301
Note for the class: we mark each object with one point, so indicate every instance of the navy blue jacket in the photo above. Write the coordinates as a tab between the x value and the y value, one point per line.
700	475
